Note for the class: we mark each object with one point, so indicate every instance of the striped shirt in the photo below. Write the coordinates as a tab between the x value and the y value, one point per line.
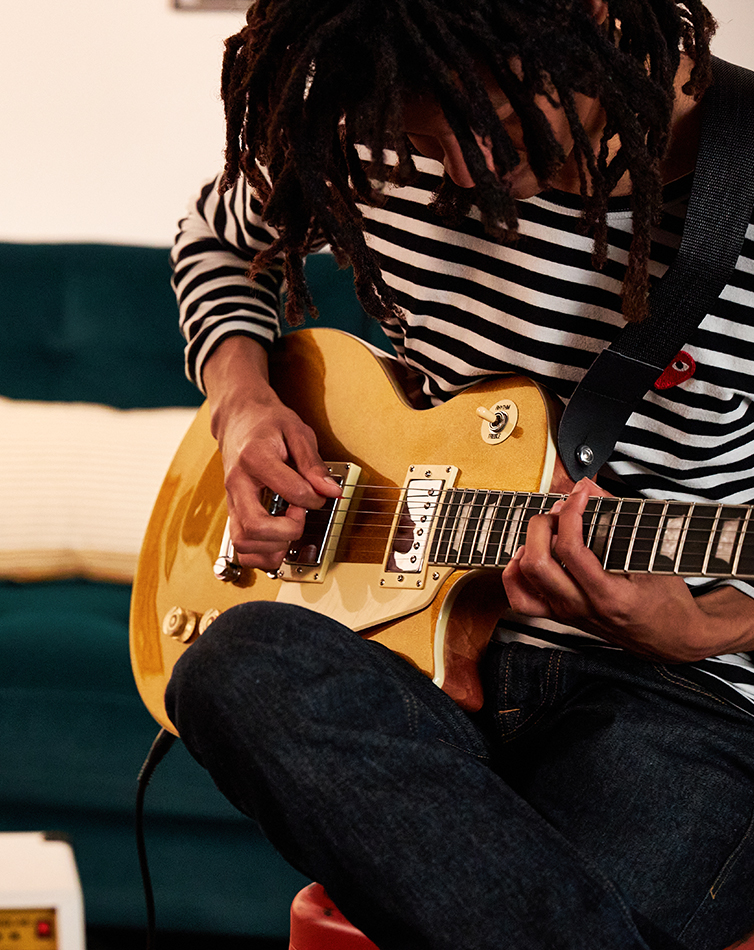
471	308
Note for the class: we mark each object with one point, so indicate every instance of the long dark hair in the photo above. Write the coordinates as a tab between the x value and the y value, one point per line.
303	82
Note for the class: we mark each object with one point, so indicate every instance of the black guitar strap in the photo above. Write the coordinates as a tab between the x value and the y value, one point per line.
719	211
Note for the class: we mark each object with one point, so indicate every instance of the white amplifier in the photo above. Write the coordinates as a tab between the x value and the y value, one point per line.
41	905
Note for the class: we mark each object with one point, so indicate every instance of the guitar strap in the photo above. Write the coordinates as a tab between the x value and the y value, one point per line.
719	212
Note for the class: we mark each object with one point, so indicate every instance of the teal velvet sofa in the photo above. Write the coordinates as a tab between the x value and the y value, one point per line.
84	325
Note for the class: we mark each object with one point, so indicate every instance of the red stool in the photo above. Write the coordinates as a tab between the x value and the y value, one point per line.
747	944
317	924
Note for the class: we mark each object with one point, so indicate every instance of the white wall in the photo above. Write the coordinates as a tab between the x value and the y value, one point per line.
735	30
110	116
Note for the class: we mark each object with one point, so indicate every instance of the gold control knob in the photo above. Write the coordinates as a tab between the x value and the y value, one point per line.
180	624
207	618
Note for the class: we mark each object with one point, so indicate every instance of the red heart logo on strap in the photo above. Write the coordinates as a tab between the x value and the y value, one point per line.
682	368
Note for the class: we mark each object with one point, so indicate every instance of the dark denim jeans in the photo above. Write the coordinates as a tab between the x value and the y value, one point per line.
598	802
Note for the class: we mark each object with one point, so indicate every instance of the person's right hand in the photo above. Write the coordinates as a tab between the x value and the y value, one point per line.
264	446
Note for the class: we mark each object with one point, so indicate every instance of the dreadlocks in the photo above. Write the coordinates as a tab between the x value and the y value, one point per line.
304	82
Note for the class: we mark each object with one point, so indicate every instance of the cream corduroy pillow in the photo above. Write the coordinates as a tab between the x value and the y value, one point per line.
77	485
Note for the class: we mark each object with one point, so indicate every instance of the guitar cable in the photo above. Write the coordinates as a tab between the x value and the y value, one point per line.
159	749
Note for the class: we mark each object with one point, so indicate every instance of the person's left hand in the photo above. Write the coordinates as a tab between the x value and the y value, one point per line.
554	575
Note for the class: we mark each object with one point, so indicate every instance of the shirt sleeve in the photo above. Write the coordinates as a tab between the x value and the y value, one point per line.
215	245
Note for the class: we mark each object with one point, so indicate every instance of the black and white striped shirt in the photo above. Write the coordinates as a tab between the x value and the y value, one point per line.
472	308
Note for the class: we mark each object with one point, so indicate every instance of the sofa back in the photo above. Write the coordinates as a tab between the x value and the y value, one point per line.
98	323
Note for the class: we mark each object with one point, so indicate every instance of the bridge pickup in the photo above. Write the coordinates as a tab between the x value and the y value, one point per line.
415	518
309	558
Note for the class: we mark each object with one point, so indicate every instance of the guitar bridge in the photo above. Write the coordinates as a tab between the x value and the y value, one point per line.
406	562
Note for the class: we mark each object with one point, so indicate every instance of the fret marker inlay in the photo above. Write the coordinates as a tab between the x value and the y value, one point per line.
670	537
727	542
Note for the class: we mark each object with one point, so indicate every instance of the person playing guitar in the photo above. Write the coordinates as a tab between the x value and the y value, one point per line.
507	178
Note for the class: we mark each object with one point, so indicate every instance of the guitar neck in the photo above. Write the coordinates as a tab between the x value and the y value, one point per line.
477	528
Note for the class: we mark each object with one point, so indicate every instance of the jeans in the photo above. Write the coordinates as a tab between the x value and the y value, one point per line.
597	801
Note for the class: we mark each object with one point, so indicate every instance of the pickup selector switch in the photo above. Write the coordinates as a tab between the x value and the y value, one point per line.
499	421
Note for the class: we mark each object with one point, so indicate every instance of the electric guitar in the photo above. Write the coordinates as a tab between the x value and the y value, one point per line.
435	502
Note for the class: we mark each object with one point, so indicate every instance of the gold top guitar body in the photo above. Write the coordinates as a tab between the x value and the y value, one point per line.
397	464
412	554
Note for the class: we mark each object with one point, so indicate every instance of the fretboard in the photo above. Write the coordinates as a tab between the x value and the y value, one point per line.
485	528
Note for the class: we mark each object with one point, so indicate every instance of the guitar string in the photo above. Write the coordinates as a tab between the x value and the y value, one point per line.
640	528
500	504
532	503
605	502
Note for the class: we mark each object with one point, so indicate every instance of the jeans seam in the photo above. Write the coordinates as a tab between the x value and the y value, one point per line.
536	715
480	756
732	860
689	685
721	878
412	704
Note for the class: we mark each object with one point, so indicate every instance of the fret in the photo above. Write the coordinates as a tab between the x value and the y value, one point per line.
682	538
516	524
497	529
511	529
443	526
535	504
599	530
489	538
471	523
646	536
658	535
459	543
671	536
590	521
549	500
484	527
728	540
743	566
634	536
622	535
710	540
446	553
669	532
723	531
499	536
451	530
698	540
611	534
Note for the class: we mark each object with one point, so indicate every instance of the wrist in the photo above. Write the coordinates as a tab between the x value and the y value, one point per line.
236	379
727	618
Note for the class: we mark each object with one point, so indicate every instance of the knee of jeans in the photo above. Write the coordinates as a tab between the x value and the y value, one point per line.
255	626
212	660
274	641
